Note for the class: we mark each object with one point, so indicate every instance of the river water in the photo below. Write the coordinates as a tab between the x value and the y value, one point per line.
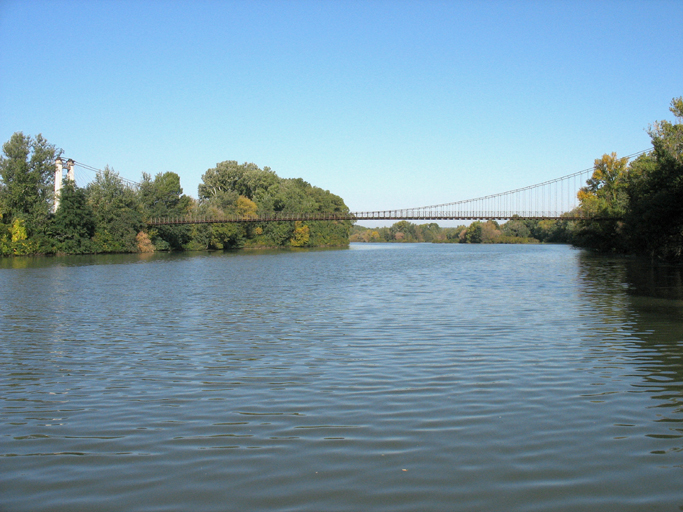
393	377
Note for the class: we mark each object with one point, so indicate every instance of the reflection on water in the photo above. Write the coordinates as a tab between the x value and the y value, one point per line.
35	262
650	308
650	316
384	377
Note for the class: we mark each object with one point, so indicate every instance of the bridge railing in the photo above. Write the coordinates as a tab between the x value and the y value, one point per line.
264	217
394	215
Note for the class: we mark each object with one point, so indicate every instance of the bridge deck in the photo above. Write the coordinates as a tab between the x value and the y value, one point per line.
287	217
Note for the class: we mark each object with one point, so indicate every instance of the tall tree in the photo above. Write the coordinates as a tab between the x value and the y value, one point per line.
74	223
27	178
229	176
604	202
163	197
655	220
118	218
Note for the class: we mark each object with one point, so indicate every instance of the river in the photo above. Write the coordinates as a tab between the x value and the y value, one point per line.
383	377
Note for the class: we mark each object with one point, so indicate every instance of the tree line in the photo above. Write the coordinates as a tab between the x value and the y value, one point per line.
110	216
514	231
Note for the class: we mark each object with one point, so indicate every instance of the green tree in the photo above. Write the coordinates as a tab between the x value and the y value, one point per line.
20	244
473	235
27	182
516	228
604	201
235	189
246	208
74	222
227	236
403	231
429	232
230	177
5	248
655	219
116	208
605	192
163	197
224	191
552	231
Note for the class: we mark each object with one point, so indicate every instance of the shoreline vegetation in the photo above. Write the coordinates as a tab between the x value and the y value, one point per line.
514	231
110	216
643	199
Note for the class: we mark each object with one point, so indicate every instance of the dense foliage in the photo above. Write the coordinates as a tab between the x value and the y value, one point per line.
26	190
231	188
111	216
642	202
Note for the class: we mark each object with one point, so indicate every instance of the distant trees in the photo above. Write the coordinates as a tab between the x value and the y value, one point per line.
516	228
515	231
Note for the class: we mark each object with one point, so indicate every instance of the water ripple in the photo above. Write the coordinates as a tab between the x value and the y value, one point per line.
385	377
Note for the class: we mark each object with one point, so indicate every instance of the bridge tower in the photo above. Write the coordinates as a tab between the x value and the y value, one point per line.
71	174
59	177
58	182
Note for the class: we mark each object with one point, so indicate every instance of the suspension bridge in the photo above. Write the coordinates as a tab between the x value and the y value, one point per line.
554	199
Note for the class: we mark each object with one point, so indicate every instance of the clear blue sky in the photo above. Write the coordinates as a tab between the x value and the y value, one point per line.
389	104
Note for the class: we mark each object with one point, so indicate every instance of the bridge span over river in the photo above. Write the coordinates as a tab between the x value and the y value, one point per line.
552	199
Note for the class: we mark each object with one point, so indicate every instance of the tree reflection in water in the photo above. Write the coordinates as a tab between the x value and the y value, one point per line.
641	308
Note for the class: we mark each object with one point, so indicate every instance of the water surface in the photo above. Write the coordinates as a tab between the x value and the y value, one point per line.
382	377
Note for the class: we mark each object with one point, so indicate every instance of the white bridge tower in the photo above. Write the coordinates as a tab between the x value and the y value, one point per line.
59	176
